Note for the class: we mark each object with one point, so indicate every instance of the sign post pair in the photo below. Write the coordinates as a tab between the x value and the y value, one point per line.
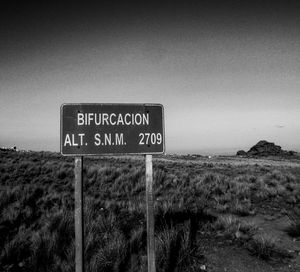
107	129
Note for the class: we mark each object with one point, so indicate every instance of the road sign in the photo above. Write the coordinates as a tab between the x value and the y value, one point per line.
98	129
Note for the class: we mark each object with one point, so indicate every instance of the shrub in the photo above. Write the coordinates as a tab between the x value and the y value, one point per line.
233	228
16	253
294	228
265	247
109	254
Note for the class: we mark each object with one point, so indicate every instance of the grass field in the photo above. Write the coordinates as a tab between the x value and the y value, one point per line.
205	211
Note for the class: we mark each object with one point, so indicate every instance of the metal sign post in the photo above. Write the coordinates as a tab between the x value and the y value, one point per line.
79	231
150	215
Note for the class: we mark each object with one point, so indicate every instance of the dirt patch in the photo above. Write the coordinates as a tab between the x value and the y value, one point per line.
225	255
275	227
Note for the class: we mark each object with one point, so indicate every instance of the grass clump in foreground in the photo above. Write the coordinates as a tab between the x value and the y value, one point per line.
294	228
265	247
233	228
247	235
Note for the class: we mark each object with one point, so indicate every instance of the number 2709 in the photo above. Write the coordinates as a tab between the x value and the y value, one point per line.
147	138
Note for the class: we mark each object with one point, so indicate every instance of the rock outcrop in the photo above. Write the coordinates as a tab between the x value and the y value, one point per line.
241	153
264	148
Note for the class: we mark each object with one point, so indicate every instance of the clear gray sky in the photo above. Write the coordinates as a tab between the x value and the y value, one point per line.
227	72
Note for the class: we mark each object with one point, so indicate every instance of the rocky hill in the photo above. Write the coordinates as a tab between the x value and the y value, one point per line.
264	148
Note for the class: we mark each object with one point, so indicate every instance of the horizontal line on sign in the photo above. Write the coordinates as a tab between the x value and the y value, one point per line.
112	154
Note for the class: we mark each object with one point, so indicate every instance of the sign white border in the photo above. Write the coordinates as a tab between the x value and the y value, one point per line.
113	104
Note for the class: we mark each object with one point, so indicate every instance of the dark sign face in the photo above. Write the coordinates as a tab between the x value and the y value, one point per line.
97	129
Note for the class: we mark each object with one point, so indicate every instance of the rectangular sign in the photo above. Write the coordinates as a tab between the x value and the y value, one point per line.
98	129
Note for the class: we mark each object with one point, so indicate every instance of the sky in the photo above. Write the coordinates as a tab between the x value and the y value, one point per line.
226	72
